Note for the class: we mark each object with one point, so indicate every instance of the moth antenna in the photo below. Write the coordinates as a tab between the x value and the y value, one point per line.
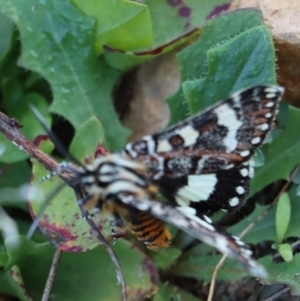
52	136
36	221
61	166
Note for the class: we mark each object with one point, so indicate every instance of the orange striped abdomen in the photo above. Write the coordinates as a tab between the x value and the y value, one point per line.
151	231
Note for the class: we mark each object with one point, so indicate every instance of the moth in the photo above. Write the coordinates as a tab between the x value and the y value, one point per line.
200	165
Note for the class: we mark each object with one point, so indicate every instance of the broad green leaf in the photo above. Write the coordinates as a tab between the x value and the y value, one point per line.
283	272
194	61
285	250
248	59
87	138
3	259
283	215
280	156
165	258
71	282
120	24
81	83
6	33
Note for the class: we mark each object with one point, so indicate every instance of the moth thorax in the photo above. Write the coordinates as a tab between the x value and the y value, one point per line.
114	174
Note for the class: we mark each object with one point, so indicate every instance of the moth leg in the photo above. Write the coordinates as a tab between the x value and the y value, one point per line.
116	221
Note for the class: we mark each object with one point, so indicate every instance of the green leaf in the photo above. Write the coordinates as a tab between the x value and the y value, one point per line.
280	156
87	138
247	61
6	33
81	83
283	214
283	272
3	259
120	24
286	252
212	57
166	257
71	282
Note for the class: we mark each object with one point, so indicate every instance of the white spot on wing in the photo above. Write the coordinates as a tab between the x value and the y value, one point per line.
244	172
233	202
263	127
251	169
245	153
270	95
199	188
268	115
228	118
255	140
270	104
240	190
164	146
190	213
189	135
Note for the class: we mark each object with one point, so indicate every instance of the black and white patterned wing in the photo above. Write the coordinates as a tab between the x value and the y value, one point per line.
200	227
204	161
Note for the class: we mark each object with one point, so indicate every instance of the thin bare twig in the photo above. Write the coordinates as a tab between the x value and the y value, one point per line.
247	229
213	278
51	276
